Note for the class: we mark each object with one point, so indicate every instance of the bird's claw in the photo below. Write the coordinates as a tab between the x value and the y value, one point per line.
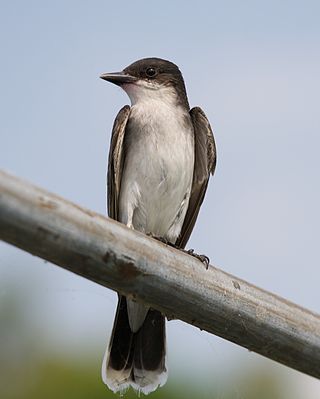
161	239
203	258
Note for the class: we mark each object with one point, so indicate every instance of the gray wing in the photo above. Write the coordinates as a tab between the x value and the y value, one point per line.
115	163
204	164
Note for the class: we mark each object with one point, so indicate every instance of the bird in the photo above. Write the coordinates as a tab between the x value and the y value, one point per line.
161	156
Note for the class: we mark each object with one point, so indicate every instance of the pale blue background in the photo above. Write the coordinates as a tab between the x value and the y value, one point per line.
254	67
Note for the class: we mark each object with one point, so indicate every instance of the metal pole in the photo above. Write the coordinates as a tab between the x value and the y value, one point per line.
127	261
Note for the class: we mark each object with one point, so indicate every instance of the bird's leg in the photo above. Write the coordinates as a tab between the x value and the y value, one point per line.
161	239
203	258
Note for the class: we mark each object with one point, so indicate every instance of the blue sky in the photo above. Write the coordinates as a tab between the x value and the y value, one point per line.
253	67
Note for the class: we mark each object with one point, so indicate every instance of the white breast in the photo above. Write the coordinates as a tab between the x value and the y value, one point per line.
158	170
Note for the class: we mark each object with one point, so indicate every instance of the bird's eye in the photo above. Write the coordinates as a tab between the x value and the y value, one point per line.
151	72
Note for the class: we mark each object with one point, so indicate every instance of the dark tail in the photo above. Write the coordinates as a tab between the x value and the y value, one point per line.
136	359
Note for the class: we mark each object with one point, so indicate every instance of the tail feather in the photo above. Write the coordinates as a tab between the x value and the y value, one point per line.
149	363
118	359
136	359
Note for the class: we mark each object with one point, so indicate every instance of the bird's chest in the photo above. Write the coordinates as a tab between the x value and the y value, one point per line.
160	146
158	170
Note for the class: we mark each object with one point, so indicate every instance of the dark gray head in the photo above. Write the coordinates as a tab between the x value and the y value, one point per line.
151	78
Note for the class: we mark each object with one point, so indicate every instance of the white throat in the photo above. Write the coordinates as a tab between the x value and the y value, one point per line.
145	92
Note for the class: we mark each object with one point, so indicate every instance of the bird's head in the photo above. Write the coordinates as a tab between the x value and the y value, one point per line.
150	79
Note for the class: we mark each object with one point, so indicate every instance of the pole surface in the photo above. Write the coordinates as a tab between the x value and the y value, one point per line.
142	268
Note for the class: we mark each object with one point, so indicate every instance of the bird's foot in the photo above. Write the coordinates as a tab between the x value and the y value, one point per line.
161	239
203	258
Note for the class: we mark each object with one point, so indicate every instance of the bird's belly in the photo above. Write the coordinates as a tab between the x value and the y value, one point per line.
162	196
156	184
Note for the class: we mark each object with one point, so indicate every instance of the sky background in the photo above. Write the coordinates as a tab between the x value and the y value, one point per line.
253	66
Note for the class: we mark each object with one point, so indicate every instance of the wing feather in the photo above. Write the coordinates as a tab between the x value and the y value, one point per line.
204	164
115	163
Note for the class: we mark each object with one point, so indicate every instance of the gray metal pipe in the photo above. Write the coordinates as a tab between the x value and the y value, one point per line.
173	282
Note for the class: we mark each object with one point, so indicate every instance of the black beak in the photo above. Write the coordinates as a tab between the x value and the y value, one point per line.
118	78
